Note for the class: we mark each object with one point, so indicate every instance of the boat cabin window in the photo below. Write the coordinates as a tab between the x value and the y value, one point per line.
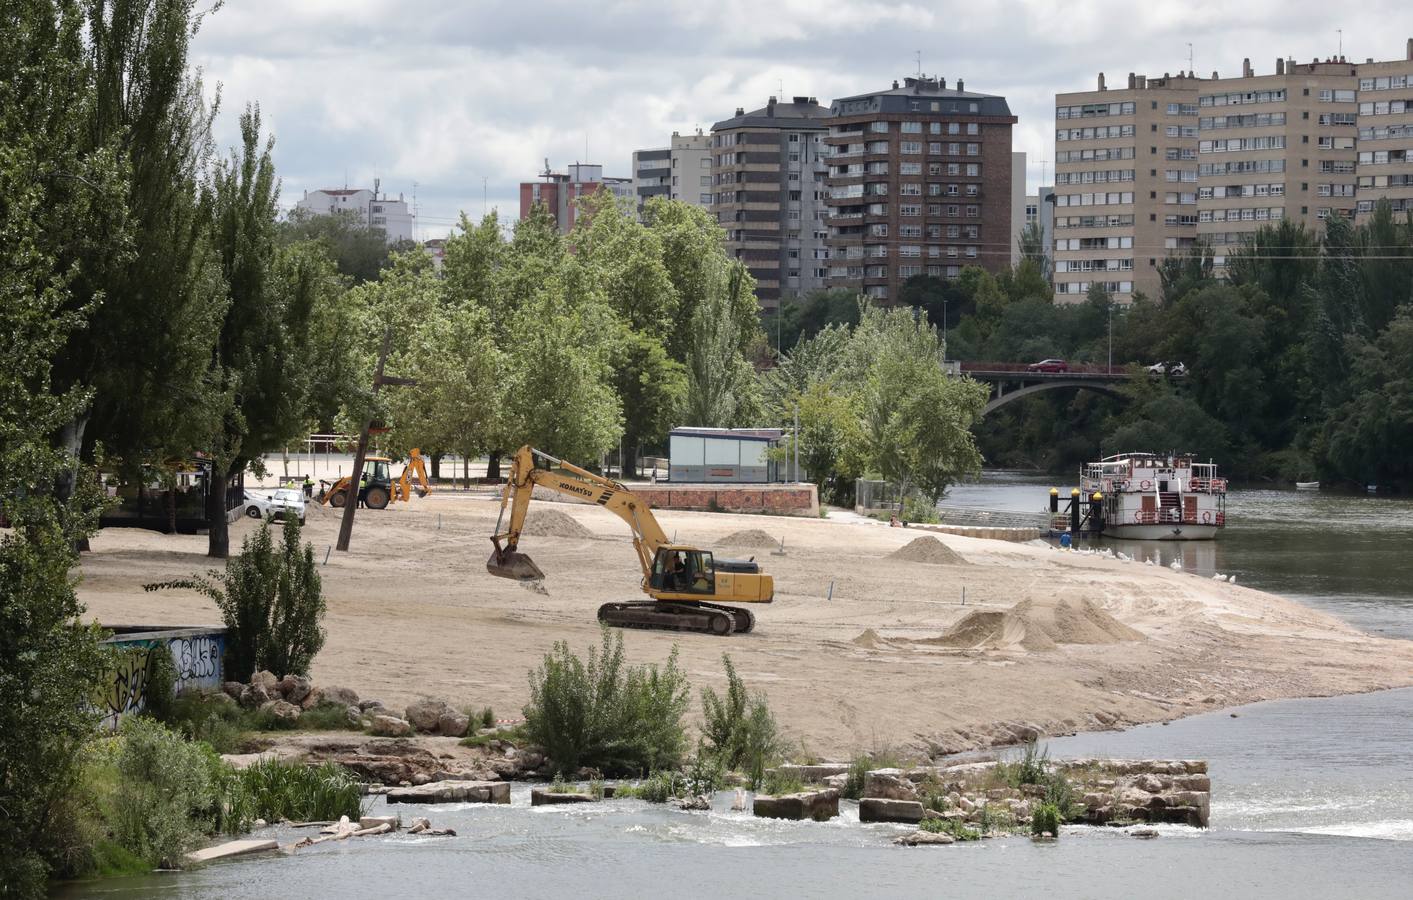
684	571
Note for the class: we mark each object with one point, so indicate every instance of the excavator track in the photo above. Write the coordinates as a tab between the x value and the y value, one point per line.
695	618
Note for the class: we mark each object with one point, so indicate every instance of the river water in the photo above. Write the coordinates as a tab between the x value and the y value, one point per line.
1311	798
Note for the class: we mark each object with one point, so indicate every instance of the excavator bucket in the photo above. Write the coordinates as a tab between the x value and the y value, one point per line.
514	565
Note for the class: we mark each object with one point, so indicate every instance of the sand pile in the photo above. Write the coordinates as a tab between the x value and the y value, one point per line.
869	639
1037	625
929	549
553	523
750	539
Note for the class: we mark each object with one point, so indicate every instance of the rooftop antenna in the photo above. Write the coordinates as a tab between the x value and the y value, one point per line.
1340	32
919	62
1044	170
1189	57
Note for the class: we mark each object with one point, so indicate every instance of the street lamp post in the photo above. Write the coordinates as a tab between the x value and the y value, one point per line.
1110	370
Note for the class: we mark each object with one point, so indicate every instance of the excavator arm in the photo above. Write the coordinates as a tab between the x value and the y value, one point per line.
507	562
416	466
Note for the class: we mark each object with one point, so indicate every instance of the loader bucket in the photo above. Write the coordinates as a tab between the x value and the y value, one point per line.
514	565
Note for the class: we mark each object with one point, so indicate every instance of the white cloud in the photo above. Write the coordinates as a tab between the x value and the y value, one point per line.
445	94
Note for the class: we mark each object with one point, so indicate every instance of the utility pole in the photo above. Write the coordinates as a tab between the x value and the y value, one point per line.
350	494
796	442
1110	370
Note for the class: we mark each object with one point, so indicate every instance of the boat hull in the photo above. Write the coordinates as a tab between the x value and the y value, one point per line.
1170	531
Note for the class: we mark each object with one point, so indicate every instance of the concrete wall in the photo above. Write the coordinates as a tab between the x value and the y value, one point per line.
777	499
196	654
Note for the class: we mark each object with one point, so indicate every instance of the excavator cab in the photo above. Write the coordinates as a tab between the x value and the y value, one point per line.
683	570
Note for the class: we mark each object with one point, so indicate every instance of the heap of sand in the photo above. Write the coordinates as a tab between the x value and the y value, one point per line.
549	522
1037	624
928	549
749	539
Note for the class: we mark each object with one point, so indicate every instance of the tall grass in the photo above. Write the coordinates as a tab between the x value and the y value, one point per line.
276	789
740	727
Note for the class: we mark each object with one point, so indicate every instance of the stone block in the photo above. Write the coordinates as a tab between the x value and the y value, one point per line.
452	792
879	809
453	724
390	726
231	848
890	784
425	713
817	805
544	797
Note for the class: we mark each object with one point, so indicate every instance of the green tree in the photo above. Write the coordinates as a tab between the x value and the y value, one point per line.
1366	437
359	251
1031	244
652	387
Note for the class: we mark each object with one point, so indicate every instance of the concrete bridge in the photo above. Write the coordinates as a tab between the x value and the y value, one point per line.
1012	381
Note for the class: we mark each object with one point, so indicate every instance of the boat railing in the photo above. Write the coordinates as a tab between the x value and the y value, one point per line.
1174	516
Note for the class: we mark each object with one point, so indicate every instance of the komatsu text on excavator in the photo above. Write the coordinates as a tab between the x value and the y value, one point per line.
682	581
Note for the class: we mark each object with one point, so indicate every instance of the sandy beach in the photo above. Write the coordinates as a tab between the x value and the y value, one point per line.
1046	642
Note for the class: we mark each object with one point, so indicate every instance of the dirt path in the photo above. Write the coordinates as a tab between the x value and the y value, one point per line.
412	611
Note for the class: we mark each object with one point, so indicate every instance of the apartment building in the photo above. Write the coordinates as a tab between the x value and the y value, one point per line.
1385	134
560	191
1125	192
1275	146
372	208
1224	156
767	173
679	171
919	183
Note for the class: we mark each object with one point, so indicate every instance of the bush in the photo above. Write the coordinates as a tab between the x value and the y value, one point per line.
276	789
659	787
1045	819
861	765
161	691
707	775
604	714
775	783
916	509
1032	768
199	719
168	793
271	602
740	727
487	718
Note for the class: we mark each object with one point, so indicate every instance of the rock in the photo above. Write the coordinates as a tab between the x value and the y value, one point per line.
390	726
1150	783
543	797
221	698
453	724
1192	783
817	805
879	809
232	689
419	824
421	778
341	695
425	713
267	680
259	823
366	705
923	839
285	711
889	784
313	698
252	696
453	792
1144	833
838	782
530	760
355	717
231	848
375	821
699	802
296	687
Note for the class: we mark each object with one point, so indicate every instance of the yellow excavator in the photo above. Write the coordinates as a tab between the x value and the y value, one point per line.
682	581
379	489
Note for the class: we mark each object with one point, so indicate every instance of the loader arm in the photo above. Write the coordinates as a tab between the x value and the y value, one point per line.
416	466
573	481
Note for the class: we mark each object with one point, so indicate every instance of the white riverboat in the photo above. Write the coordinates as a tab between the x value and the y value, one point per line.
1153	497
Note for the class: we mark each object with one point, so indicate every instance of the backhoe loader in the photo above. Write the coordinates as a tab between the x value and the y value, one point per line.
375	492
680	579
402	488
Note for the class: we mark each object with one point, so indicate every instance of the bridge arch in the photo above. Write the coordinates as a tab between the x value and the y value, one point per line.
1051	384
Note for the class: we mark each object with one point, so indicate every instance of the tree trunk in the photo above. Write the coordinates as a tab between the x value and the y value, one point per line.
218	544
493	466
436	467
172	509
632	469
466	471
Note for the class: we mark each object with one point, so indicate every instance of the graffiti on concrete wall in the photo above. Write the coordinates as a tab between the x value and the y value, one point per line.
196	657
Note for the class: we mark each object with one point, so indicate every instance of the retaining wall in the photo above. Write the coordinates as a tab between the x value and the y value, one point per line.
196	654
775	499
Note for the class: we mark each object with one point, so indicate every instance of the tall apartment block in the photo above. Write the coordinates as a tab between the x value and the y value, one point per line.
768	174
1125	184
1215	159
559	191
680	171
919	183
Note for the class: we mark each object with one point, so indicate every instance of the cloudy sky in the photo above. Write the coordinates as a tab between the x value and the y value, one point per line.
453	96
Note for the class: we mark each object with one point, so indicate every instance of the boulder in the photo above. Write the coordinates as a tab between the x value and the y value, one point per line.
543	797
453	724
365	705
285	711
879	809
424	714
390	726
355	717
266	679
1144	832
889	784
923	839
341	695
452	792
232	689
699	802
817	805
313	698
375	821
253	696
421	778
296	687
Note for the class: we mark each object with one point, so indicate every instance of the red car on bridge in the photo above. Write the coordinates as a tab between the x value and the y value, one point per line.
1051	366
